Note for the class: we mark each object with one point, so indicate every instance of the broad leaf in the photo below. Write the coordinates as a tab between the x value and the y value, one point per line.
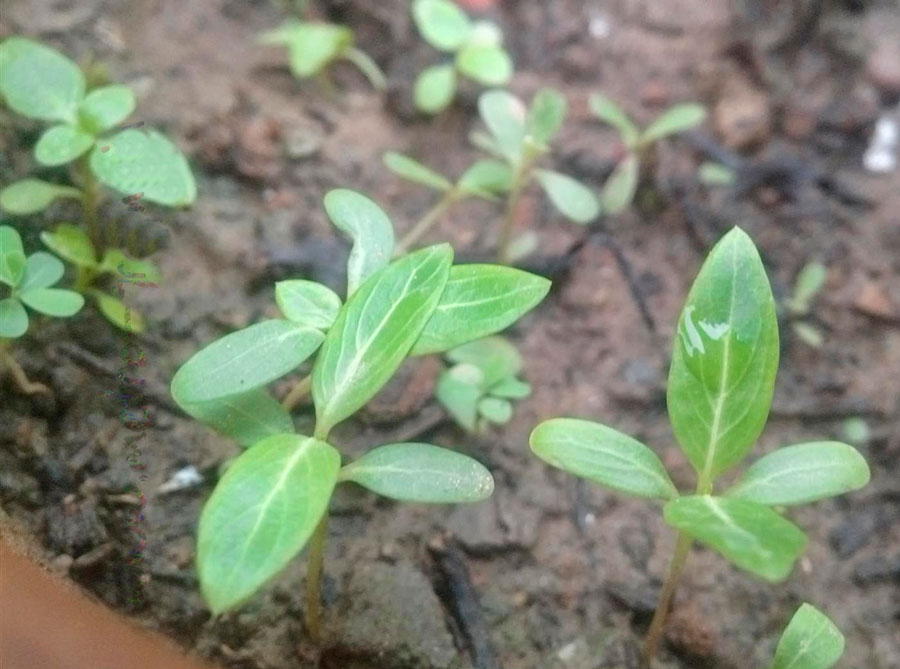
104	108
494	356
368	227
677	119
72	243
421	473
116	262
573	199
803	473
487	64
57	302
619	189
134	162
307	302
485	178
459	389
442	23
261	514
39	82
413	170
12	256
434	88
603	455
29	196
244	360
247	418
496	410
479	300
13	318
375	331
62	144
511	388
810	641
504	115
118	313
609	112
546	115
751	535
725	357
42	270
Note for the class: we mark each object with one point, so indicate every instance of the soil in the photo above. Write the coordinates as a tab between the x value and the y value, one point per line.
564	574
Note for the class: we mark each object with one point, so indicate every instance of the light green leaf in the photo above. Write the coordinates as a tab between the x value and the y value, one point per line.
494	356
42	270
511	388
522	246
30	196
62	144
609	112
573	199
247	418
619	189
368	227
487	64
261	514
116	262
485	178
71	243
810	641
13	318
715	174
118	313
479	300
135	162
104	108
442	23
677	119
12	256
808	333
421	473
53	301
751	535
375	331
546	116
603	455
807	285
415	171
505	116
39	82
459	389
725	357
803	473
307	303
312	45
434	88
495	409
244	360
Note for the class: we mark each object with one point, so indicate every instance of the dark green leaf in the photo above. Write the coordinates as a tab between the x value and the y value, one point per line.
71	243
442	23
573	199
104	108
611	113
307	302
413	170
39	82
810	641
29	196
677	119
62	144
13	318
434	88
487	64
247	418
53	301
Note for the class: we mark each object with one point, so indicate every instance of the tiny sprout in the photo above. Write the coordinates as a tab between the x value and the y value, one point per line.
477	50
721	382
273	499
810	641
715	174
619	190
315	46
807	286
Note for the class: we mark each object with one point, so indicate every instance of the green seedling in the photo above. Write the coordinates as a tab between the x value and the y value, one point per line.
810	641
638	145
807	286
476	49
715	174
519	137
480	386
29	281
721	382
314	47
273	498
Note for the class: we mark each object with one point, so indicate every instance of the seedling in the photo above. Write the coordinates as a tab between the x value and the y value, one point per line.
476	48
30	283
482	383
520	137
807	286
810	641
721	382
273	499
619	190
314	47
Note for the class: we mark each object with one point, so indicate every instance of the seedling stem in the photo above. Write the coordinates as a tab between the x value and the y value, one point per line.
367	66
315	564
520	180
297	393
426	222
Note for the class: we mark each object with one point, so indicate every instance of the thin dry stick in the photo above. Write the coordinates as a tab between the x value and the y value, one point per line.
425	223
20	377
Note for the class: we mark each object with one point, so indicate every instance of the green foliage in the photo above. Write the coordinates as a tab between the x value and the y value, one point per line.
808	284
30	196
810	641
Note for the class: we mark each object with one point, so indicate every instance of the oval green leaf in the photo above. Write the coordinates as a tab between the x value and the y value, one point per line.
12	256
546	115
30	196
619	189
39	82
495	357
118	313
62	144
505	117
442	23
104	108
485	63
459	389
573	199
247	418
13	318
415	171
315	45
810	641
42	270
609	112
496	410
57	302
72	243
511	388
434	88
307	303
486	179
677	119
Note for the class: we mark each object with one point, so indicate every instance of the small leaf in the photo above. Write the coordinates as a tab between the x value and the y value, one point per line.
546	115
715	174
486	178
810	641
134	162
118	313
375	331
803	473
53	301
609	112
244	360
71	243
504	115
12	256
415	171
487	64
104	108
573	199
312	46
494	356
434	88
808	333
603	455
459	389
479	300
677	119
442	23
307	303
62	144
511	388
496	410
247	418
261	514
42	270
751	535
39	82
522	246
807	285
30	196
368	227
421	473
13	318
619	189
116	262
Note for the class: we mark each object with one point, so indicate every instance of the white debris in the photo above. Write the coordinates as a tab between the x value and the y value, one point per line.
881	156
599	26
186	477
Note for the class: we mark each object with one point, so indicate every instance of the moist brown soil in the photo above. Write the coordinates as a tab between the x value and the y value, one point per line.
564	574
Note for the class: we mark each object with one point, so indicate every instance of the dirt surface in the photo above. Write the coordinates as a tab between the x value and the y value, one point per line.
563	575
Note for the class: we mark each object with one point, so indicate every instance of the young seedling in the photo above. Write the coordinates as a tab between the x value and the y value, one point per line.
482	383
485	179
315	46
29	281
810	641
476	48
721	382
273	499
520	137
807	286
638	145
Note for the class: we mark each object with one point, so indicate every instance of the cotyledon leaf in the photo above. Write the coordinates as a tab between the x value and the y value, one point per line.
42	270
38	81
810	641
62	144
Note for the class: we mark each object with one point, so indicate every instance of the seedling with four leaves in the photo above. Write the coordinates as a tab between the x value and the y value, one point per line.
273	498
721	382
